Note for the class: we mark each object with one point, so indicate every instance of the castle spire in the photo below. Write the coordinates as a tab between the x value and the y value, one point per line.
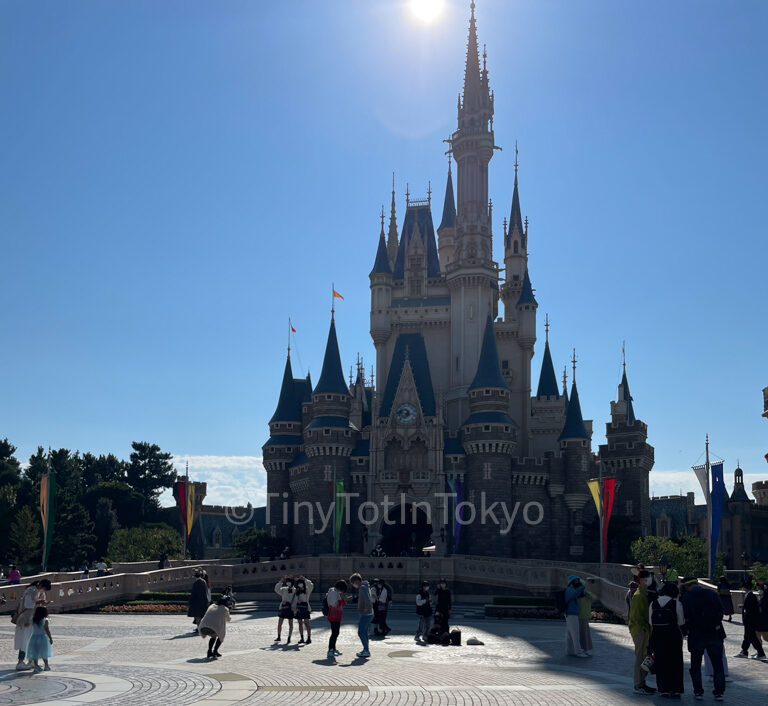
381	265
488	367
472	78
625	396
547	380
287	410
515	217
392	235
332	376
574	427
526	294
449	204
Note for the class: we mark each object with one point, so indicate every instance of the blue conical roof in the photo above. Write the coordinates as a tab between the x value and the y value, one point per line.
515	217
574	423
526	294
287	408
627	398
307	389
381	265
488	368
332	376
547	379
449	205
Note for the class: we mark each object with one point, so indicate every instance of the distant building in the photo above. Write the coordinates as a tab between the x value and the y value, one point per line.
744	526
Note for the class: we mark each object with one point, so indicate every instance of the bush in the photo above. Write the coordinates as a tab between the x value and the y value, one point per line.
523	601
145	543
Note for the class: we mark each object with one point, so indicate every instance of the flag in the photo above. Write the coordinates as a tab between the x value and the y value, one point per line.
336	295
594	488
718	495
190	507
47	498
701	474
339	515
766	458
293	330
609	489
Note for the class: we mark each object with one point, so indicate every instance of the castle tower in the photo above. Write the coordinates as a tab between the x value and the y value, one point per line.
548	408
381	298
392	234
515	253
627	456
446	232
471	275
489	439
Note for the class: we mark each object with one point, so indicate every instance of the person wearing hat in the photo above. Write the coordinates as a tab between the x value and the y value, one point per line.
667	617
424	611
704	622
640	629
199	599
573	591
750	613
666	573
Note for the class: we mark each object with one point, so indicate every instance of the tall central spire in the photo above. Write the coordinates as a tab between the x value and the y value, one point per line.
392	235
472	78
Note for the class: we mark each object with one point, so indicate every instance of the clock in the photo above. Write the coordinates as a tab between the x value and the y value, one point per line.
406	413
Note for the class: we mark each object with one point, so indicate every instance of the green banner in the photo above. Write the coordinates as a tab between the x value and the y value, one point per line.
338	515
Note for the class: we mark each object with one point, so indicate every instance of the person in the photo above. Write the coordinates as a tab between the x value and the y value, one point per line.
199	599
761	625
666	573
165	562
39	646
33	597
101	567
213	625
287	608
443	605
14	575
286	553
364	610
666	617
336	599
573	591
703	621
585	613
640	630
631	588
724	591
750	613
378	591
304	588
378	551
85	573
424	611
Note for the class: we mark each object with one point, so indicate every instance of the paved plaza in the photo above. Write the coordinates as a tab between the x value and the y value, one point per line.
142	659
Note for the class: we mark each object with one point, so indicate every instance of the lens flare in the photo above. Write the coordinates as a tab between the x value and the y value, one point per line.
426	10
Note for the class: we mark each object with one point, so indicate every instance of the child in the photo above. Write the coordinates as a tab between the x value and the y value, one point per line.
304	589
214	625
287	608
424	611
336	601
39	646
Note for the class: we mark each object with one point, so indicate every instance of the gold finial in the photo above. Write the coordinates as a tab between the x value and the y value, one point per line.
516	160
546	328
526	225
573	361
350	376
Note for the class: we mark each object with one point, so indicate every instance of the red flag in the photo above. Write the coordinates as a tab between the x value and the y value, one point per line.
293	330
609	486
766	458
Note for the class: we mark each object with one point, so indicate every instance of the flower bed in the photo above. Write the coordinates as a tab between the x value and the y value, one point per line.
142	607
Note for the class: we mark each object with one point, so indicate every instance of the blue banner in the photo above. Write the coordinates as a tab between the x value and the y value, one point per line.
458	497
718	496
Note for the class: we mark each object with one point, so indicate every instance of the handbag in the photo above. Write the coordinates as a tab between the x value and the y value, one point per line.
16	614
649	664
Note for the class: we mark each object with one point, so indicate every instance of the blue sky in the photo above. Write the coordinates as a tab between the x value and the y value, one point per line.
178	178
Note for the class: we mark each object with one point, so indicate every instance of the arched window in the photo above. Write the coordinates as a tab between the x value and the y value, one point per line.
514	248
216	538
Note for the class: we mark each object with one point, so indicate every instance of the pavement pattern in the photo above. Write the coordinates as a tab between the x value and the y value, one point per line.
141	659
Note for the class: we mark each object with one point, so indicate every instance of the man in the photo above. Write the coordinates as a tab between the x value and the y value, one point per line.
573	591
703	623
364	610
665	572
750	613
14	575
640	629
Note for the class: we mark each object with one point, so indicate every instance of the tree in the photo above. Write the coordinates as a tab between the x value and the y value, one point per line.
10	479
686	554
126	502
10	468
759	571
102	469
150	470
104	525
145	543
25	538
258	542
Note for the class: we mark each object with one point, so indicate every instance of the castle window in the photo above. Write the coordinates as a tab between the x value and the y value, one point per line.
506	429
360	461
216	539
487	393
328	397
631	445
505	365
347	432
628	508
328	473
662	526
515	278
514	248
486	427
327	432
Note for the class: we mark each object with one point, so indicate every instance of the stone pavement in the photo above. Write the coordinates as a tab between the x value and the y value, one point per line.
133	660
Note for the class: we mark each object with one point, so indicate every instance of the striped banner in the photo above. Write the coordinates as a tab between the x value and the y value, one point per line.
47	508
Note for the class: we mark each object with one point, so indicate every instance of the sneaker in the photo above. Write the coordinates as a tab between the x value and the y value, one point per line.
698	697
277	639
309	641
37	670
763	658
46	668
588	653
363	654
301	642
23	667
288	641
757	657
645	689
718	697
332	655
743	655
209	655
336	652
217	654
584	655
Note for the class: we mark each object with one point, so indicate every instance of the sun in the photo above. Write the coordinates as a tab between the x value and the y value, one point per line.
427	10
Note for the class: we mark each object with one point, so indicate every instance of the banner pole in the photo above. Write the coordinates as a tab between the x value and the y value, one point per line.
709	512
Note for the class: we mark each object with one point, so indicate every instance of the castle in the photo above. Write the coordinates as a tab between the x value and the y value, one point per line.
451	425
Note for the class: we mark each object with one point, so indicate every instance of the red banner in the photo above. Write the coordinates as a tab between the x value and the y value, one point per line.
609	486
181	498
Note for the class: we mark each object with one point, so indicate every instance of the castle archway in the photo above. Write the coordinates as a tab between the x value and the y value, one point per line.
405	531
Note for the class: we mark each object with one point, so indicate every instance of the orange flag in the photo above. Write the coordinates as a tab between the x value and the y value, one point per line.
337	295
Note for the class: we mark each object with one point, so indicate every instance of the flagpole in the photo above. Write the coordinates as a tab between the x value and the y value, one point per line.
709	511
186	511
600	511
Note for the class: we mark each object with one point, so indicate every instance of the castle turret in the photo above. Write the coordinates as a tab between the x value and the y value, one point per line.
381	292
446	233
392	241
548	408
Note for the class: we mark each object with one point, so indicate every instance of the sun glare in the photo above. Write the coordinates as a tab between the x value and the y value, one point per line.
426	10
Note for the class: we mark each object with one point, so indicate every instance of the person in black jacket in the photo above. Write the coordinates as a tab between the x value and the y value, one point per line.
442	606
749	616
704	624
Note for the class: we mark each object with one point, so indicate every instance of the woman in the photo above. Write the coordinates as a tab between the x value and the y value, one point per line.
584	602
382	597
304	589
442	606
214	625
724	591
199	599
33	596
666	616
284	588
424	611
336	599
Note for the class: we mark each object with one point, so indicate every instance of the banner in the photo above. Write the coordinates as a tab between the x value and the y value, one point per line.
338	518
609	490
47	510
701	474
181	498
594	488
718	496
190	507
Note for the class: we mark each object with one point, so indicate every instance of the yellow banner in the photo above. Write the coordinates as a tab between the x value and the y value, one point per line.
190	507
44	501
594	488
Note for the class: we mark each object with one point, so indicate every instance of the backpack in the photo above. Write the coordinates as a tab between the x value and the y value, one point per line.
711	616
663	616
326	607
560	601
390	594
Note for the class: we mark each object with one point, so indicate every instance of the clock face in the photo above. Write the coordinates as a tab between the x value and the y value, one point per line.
406	413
